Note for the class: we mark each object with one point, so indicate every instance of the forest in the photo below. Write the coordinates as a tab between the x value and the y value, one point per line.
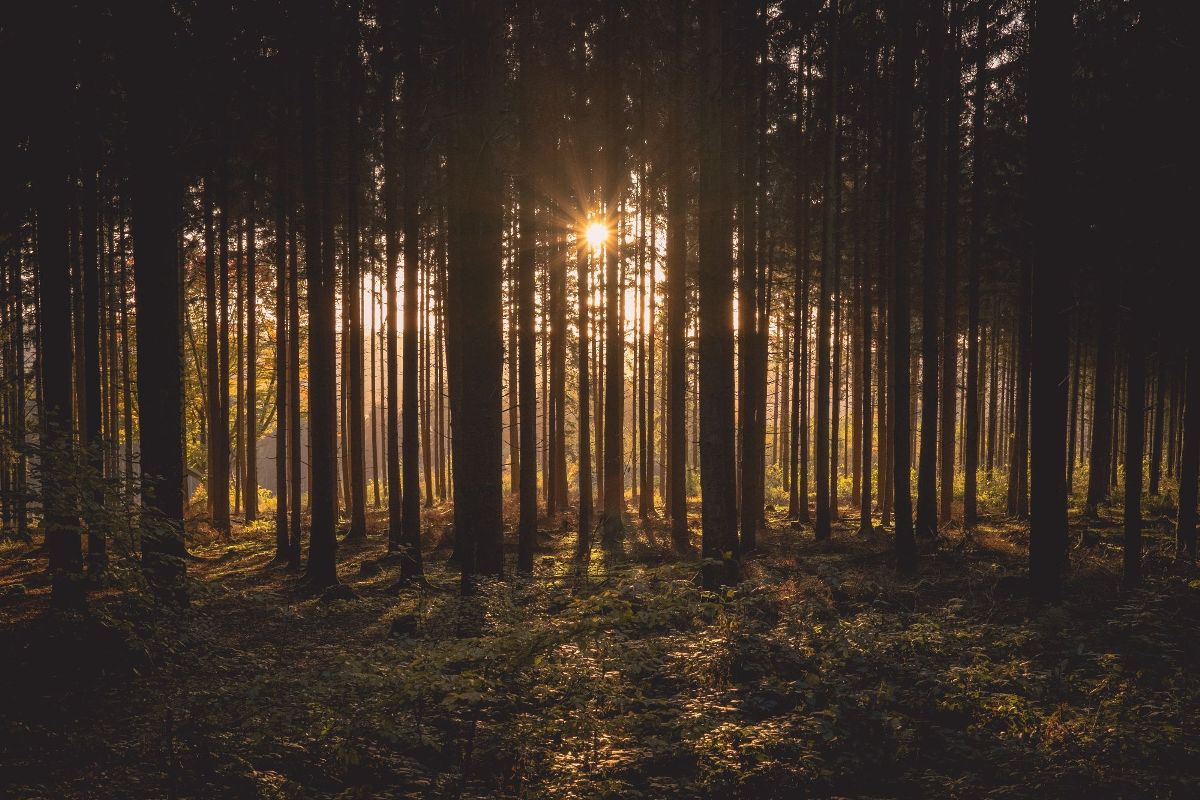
598	399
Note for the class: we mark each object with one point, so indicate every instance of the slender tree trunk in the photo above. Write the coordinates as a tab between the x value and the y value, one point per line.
1189	462
411	565
931	265
978	218
1135	449
614	382
1049	160
677	203
392	180
250	486
717	477
526	335
282	337
825	452
321	569
477	191
898	315
1156	436
949	379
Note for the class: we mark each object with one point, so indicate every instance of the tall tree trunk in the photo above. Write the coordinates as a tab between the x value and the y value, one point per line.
677	202
1156	436
411	565
156	199
978	218
60	514
614	187
1135	448
477	192
1189	462
717	479
899	318
91	410
321	569
931	266
250	485
282	337
825	453
392	180
1049	160
949	378
526	253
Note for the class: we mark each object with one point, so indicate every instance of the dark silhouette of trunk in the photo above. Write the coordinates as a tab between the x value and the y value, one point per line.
614	367
526	253
91	412
218	480
978	218
825	453
751	362
1018	469
1157	424
60	514
391	231
321	569
411	565
282	336
156	199
931	266
1189	461
1135	446
477	195
865	407
899	318
717	476
295	464
949	380
1052	240
1101	456
352	349
1073	421
676	488
250	437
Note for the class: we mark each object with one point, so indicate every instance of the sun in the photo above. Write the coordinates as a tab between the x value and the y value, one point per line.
597	234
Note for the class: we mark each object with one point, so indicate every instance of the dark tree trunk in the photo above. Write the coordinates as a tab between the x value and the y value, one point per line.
1049	160
477	193
1189	462
949	380
282	334
321	569
614	367
60	514
526	253
931	266
1101	456
978	218
1018	469
1156	435
91	411
391	230
156	198
250	437
352	349
1135	448
411	565
717	477
824	452
898	315
676	488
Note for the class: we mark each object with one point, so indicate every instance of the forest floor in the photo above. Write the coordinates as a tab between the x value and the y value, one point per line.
821	675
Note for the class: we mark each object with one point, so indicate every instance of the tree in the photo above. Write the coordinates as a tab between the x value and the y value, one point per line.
825	453
898	314
719	542
1049	157
321	569
411	567
677	203
1189	461
931	264
526	252
978	218
477	196
614	347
